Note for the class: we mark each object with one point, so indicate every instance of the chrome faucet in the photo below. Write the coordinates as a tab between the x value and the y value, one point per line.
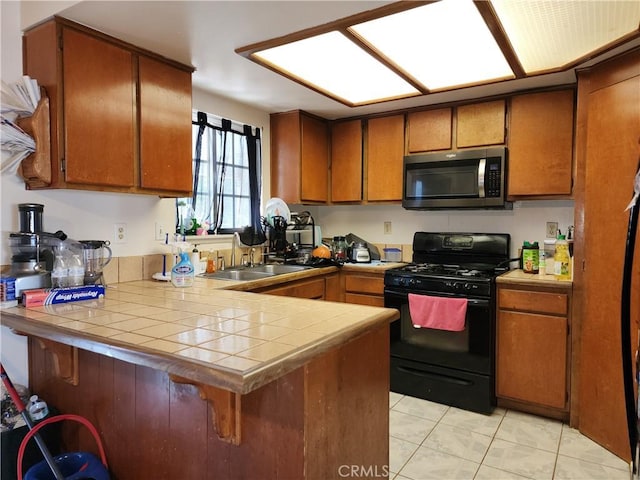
252	253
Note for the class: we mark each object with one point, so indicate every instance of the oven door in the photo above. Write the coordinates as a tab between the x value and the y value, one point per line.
470	349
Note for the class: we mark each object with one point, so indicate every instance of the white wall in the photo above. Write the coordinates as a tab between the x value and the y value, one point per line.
527	221
86	215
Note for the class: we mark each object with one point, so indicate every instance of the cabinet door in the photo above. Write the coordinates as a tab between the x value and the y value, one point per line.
314	160
541	144
313	288
480	124
346	161
299	158
429	130
285	156
99	111
165	135
385	152
531	358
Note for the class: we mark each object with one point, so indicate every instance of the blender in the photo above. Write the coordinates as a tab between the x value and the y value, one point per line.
96	254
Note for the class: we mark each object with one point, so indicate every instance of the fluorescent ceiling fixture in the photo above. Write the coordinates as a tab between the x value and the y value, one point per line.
404	49
550	34
334	64
442	45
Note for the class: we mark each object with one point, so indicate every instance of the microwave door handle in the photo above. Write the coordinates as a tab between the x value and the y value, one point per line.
481	168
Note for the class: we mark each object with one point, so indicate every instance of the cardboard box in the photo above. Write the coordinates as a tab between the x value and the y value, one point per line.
52	296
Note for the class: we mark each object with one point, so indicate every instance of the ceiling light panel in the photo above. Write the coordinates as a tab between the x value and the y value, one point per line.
548	35
334	64
441	45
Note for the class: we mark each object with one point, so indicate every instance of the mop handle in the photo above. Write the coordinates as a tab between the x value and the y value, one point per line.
25	415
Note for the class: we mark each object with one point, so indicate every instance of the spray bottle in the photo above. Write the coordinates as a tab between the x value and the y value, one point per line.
182	273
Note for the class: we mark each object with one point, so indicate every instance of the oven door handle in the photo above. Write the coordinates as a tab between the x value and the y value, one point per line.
475	302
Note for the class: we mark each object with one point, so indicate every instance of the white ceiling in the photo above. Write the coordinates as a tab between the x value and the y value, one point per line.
205	35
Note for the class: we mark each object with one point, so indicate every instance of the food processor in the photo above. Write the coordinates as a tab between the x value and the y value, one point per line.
32	249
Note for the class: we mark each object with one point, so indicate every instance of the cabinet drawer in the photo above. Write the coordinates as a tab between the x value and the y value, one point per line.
529	301
364	284
302	289
360	299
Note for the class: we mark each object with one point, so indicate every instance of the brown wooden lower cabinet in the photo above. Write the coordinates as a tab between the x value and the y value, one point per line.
533	350
307	424
314	288
363	288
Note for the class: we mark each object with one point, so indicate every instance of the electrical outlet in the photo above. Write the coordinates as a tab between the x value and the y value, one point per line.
552	229
120	232
160	231
387	228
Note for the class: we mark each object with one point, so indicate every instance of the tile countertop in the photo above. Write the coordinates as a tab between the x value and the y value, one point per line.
208	333
518	277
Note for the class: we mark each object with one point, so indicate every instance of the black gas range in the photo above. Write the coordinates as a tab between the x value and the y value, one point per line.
451	367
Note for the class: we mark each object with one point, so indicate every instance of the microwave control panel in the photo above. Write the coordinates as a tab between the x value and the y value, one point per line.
493	180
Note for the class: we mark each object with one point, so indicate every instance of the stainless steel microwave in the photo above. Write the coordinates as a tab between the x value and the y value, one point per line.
449	180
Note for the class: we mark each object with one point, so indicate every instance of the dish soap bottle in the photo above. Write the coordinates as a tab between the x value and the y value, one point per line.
562	261
182	273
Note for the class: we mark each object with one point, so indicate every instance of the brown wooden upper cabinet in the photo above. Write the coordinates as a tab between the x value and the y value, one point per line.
429	130
385	154
541	144
299	157
120	116
346	161
480	124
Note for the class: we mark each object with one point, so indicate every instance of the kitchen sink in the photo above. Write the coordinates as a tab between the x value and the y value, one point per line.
254	273
278	269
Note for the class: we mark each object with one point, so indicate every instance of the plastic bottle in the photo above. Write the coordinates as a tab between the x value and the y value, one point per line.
562	261
37	408
542	263
75	271
530	257
59	273
182	273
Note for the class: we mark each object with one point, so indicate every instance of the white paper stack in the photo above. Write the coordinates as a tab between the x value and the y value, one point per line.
18	100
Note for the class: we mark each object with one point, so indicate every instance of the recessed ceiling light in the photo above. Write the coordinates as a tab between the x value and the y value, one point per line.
442	45
334	64
405	49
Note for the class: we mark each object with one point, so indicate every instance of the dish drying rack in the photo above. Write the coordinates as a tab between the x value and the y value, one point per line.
301	222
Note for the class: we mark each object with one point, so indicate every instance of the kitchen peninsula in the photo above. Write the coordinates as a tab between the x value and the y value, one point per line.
206	382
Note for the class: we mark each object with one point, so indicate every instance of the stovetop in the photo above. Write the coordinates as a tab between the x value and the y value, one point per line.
473	270
454	280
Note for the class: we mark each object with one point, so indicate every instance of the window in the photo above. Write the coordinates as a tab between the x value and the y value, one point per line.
226	171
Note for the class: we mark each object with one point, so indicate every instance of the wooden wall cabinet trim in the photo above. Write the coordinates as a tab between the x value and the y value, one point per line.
541	144
384	157
346	161
533	349
93	83
429	130
299	157
480	124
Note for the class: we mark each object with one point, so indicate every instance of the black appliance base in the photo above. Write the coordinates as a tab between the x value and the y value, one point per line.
465	390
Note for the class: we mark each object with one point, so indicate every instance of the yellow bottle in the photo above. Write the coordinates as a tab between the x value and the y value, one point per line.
562	260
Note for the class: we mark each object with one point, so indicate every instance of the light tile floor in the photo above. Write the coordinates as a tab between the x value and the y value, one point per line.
433	441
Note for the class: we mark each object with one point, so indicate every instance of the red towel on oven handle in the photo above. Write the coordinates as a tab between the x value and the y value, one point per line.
441	313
